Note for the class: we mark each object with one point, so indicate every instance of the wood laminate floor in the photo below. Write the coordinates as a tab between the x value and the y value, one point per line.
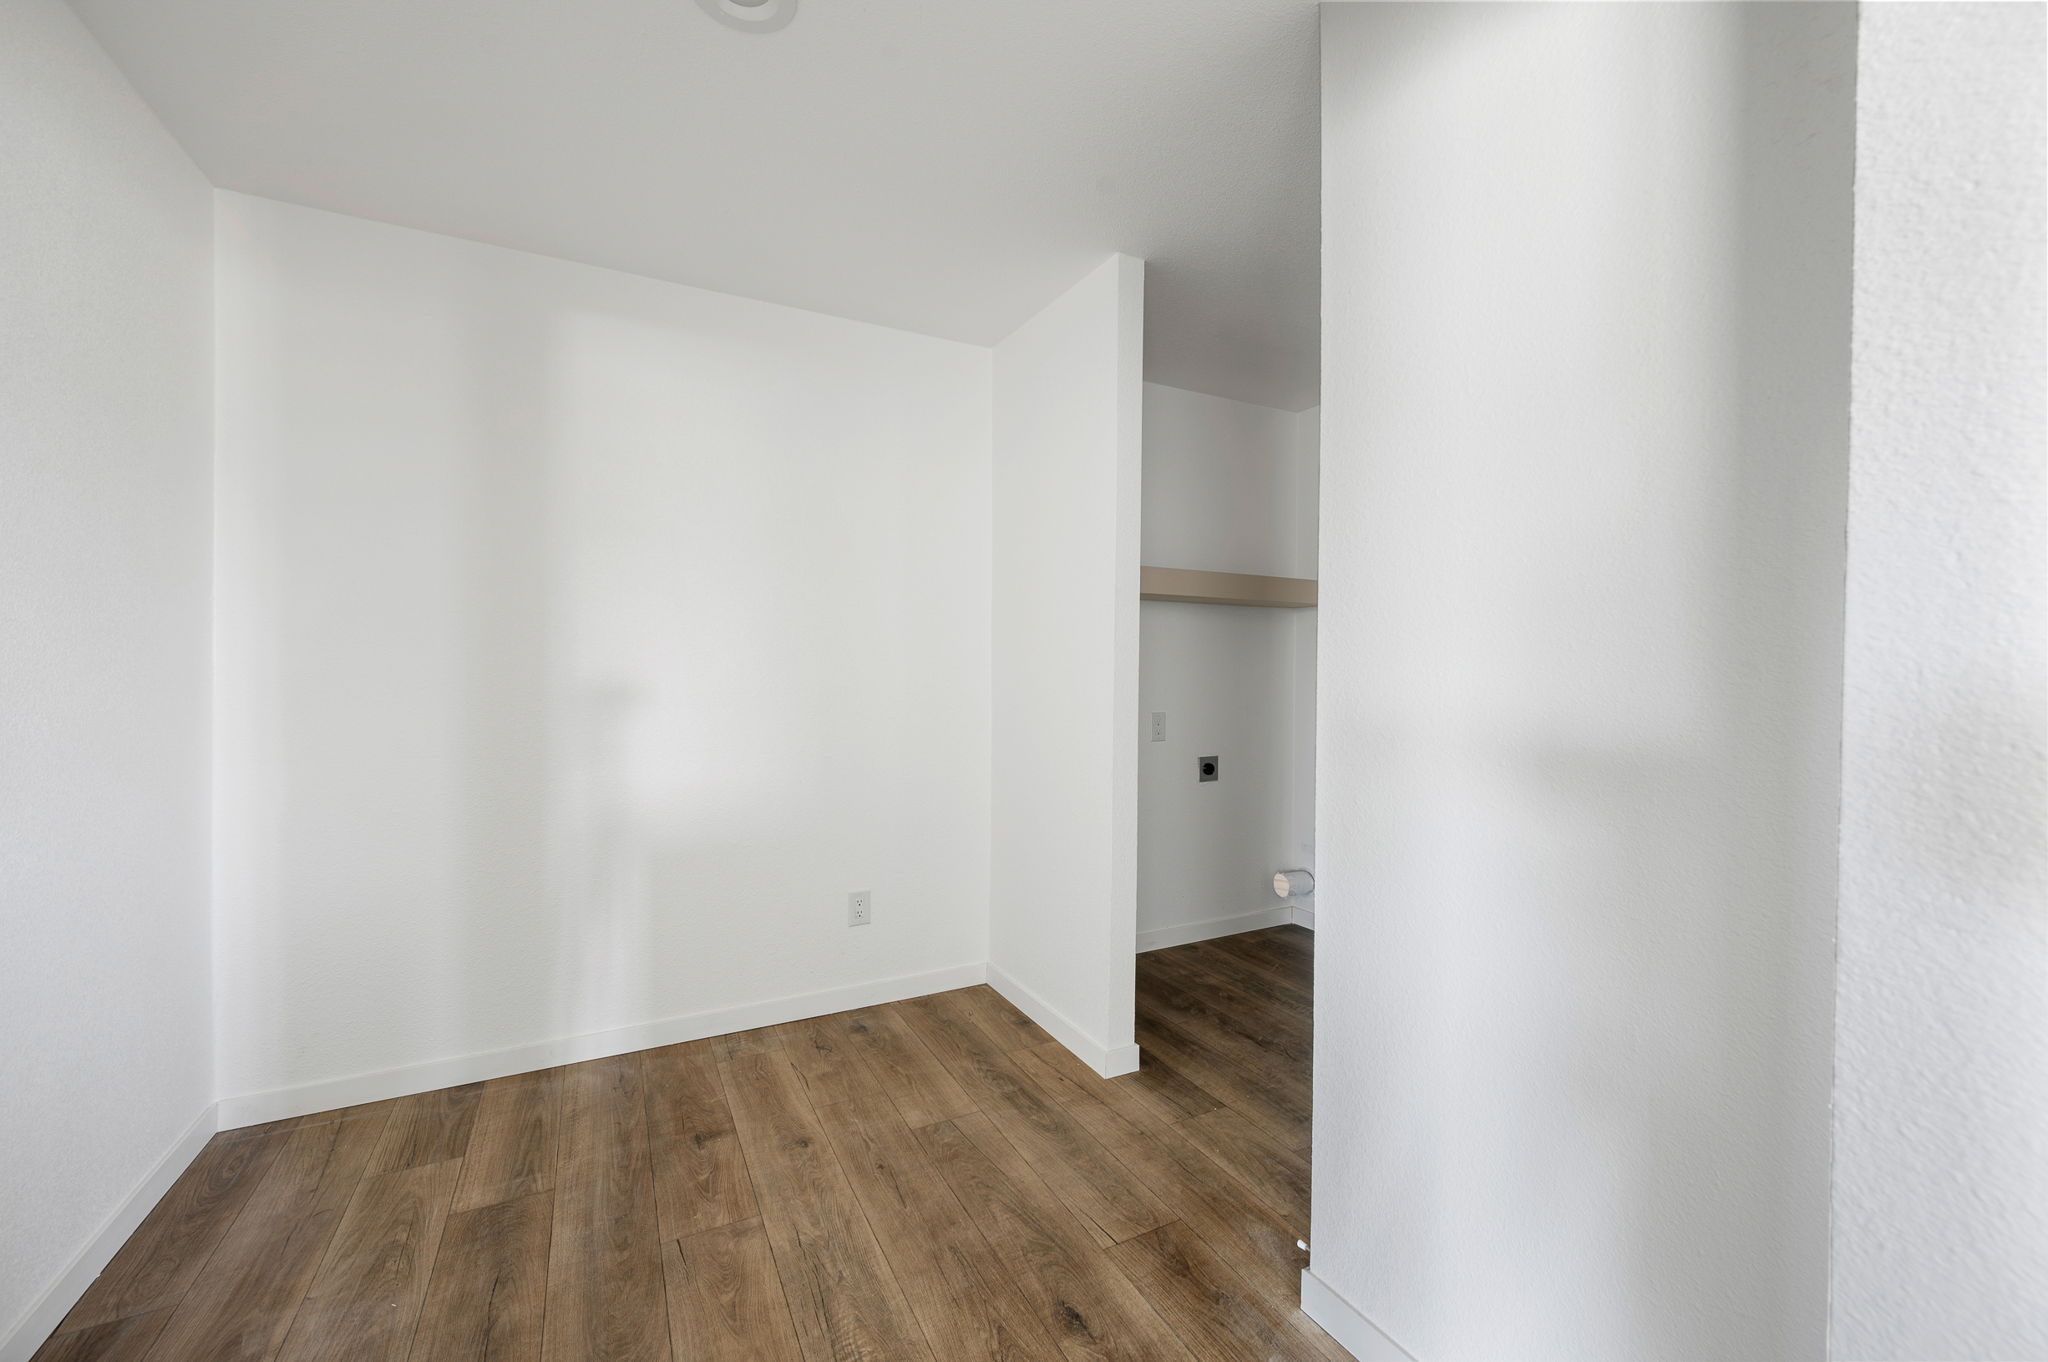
933	1179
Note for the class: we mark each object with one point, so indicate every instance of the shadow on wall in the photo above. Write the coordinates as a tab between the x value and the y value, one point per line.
1724	993
1585	640
483	781
553	851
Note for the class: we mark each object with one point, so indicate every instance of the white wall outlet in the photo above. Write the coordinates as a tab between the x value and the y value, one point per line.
1158	725
860	907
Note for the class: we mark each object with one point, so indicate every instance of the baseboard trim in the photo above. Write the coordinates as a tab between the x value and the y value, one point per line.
1346	1323
1119	1060
1109	1061
279	1103
56	1302
1279	915
1304	914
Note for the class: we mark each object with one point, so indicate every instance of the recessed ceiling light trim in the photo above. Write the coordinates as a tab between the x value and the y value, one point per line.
751	16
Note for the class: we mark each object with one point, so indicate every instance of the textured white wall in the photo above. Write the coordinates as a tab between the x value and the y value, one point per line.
1064	530
105	459
1229	487
1586	286
1941	1102
583	641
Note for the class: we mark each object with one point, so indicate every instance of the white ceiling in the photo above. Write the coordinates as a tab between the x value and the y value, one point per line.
940	165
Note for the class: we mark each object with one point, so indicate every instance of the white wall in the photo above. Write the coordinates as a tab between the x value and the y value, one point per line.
1941	1101
1229	487
105	435
1064	530
1586	286
583	641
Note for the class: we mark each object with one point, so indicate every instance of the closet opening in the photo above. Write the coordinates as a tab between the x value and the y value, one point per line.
1226	781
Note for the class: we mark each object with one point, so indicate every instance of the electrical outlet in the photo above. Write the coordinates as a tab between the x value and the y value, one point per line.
860	907
1158	725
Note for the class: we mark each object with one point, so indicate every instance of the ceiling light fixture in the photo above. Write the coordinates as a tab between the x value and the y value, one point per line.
751	16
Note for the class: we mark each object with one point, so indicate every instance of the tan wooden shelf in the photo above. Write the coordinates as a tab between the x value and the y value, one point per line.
1224	588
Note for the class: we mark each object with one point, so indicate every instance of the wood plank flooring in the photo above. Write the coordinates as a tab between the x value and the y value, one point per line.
936	1180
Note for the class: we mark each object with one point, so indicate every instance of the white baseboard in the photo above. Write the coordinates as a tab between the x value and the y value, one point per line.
1279	915
1346	1323
1119	1060
279	1103
1107	1060
49	1311
1304	913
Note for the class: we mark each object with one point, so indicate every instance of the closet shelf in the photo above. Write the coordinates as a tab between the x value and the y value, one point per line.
1224	588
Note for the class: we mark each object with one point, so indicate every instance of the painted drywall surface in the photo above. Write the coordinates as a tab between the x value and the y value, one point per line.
1223	676
1941	1100
1586	275
1065	492
105	439
1301	799
584	640
1229	487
